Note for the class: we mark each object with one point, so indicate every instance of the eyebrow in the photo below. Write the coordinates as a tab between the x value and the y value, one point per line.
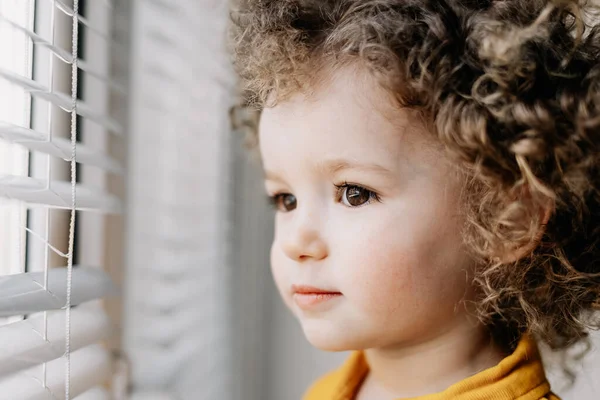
339	164
336	165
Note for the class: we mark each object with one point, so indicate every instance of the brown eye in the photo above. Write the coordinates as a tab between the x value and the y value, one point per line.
284	202
354	196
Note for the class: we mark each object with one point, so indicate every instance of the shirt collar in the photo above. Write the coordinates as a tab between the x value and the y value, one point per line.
519	375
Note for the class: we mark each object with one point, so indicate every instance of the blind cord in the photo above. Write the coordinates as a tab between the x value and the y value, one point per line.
74	44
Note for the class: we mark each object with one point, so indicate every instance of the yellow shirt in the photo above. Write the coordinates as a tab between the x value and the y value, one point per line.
520	376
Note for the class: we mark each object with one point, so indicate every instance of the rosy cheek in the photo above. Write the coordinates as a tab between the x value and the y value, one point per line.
384	280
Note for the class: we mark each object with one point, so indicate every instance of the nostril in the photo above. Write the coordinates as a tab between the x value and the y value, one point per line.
302	251
303	240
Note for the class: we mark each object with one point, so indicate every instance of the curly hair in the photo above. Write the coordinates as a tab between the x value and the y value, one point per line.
511	88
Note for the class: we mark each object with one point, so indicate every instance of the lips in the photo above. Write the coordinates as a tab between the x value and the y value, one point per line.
309	297
303	289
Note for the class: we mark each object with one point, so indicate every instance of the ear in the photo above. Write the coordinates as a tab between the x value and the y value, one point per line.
545	210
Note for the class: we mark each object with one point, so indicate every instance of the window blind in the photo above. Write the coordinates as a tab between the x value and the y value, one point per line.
179	337
54	128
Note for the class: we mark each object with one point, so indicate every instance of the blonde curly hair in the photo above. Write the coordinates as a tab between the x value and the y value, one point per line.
511	88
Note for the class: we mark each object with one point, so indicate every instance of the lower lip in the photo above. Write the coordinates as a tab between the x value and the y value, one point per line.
310	300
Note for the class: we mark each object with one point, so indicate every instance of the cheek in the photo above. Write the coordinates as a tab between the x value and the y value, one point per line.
380	276
409	262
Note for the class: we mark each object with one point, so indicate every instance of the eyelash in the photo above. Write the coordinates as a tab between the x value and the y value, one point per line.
372	194
275	198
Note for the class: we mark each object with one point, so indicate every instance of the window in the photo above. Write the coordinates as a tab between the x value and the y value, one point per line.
58	256
14	110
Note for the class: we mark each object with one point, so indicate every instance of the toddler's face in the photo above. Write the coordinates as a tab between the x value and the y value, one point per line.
367	250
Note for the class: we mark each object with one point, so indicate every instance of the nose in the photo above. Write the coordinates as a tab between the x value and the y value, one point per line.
303	239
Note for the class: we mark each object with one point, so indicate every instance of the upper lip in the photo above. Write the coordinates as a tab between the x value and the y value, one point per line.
304	289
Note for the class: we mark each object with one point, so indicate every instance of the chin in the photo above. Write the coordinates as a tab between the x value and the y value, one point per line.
327	337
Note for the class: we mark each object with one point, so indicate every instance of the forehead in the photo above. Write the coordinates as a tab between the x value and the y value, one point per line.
349	114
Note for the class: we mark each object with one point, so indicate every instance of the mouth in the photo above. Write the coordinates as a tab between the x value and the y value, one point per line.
308	297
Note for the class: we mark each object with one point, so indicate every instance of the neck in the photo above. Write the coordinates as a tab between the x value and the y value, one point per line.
430	365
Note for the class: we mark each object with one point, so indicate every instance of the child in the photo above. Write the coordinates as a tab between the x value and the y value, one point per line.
434	169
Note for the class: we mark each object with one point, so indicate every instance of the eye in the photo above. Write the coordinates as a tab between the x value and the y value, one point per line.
355	196
284	202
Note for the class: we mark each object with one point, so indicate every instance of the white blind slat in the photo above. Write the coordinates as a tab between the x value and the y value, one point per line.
90	367
84	21
53	353
64	55
25	294
61	100
165	328
168	295
118	49
57	146
170	271
57	194
85	66
155	367
22	343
